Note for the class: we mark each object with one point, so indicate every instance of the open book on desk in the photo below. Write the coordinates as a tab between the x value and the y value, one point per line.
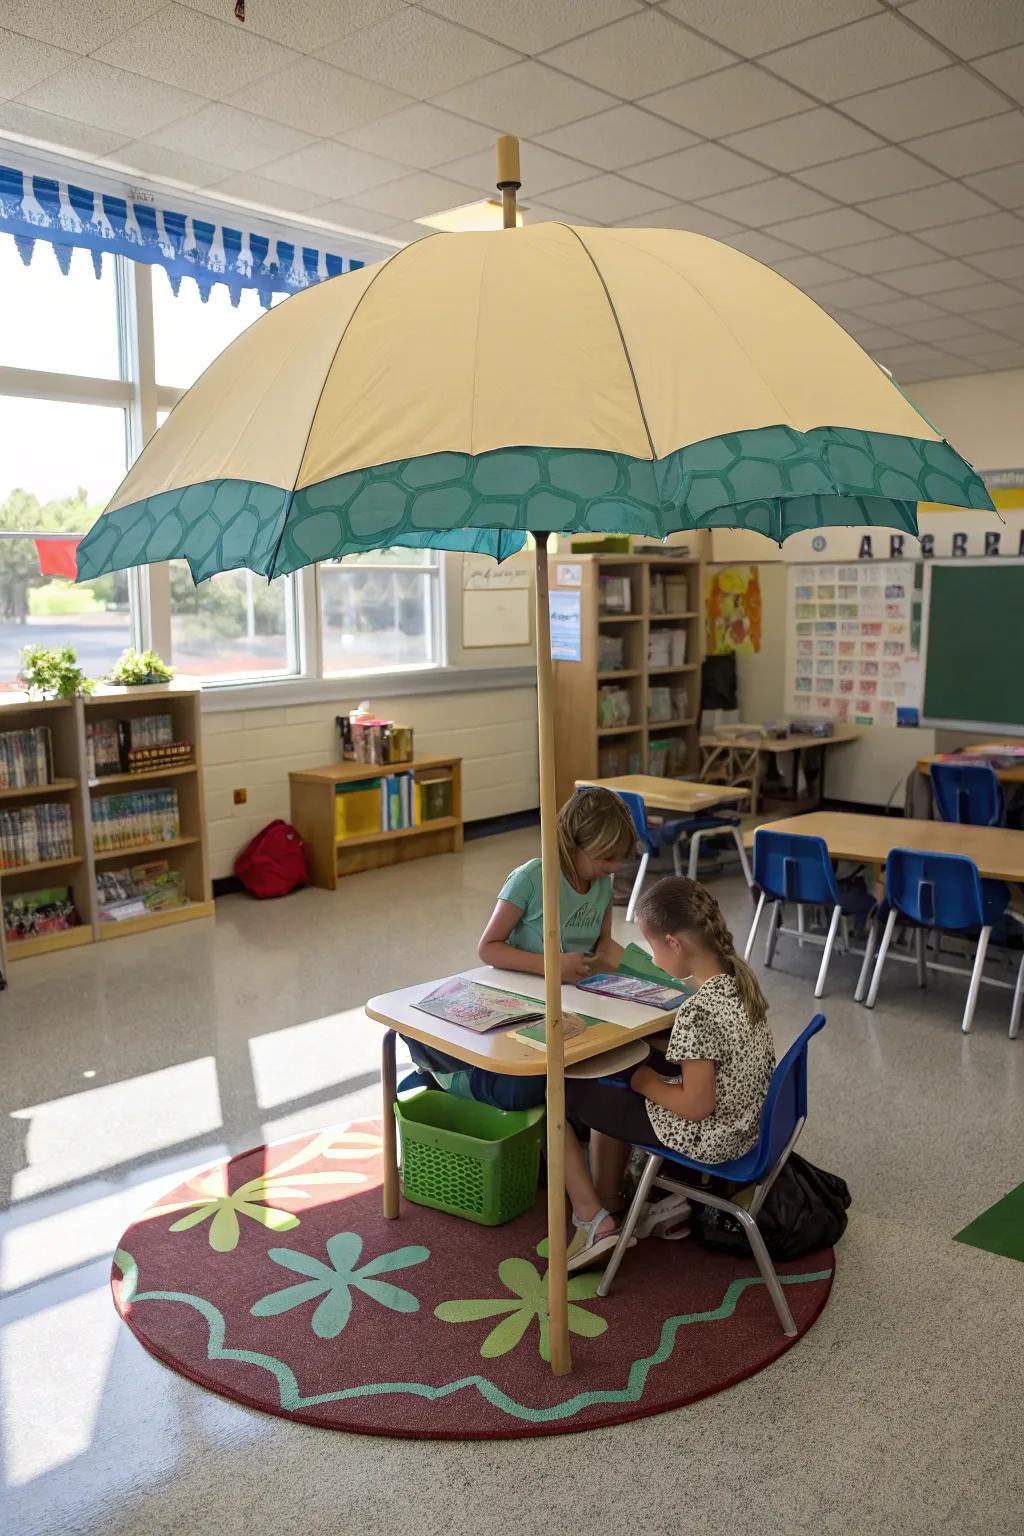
477	1006
607	1010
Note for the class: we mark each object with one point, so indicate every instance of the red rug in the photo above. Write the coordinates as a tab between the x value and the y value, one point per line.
274	1279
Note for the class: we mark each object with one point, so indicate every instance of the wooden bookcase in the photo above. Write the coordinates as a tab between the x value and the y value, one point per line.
586	749
66	719
313	793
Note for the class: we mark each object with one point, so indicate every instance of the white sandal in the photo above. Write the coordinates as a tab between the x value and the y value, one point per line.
586	1247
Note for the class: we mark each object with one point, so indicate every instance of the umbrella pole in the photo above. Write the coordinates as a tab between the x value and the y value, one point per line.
558	1319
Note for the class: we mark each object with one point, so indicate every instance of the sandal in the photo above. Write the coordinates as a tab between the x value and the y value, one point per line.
586	1247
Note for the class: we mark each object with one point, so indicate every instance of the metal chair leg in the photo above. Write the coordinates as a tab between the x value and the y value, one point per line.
827	955
883	950
634	894
869	955
774	924
922	965
767	1269
654	1162
677	856
744	861
975	986
752	935
1018	999
800	924
695	841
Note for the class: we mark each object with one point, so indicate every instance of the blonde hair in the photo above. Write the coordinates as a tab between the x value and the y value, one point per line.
676	905
596	822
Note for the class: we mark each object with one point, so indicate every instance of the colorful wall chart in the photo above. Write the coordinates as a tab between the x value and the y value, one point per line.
733	611
855	651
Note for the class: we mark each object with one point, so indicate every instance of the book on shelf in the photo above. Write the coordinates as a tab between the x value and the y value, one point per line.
478	1007
26	757
615	594
36	834
137	891
35	914
141	745
434	796
367	739
141	816
102	749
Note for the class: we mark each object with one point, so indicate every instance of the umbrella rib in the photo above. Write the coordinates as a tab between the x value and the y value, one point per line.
622	339
327	373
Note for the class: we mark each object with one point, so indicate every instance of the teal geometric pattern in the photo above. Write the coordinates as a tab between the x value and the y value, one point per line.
772	480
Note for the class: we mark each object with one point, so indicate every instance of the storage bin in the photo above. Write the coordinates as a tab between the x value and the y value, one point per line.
469	1159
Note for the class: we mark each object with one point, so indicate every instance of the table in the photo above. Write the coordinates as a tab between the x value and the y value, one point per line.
998	853
679	795
497	1051
983	753
737	759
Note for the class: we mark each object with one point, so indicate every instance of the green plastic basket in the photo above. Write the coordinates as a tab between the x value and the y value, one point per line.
469	1159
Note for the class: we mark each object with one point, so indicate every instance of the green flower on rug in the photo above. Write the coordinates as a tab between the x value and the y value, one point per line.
529	1300
336	1281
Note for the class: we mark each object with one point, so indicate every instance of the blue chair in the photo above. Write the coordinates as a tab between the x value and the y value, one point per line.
968	794
653	837
793	867
782	1120
939	892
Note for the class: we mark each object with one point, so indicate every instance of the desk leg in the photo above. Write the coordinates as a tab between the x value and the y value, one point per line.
389	1090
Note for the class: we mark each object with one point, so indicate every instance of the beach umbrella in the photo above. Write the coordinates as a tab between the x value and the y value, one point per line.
477	387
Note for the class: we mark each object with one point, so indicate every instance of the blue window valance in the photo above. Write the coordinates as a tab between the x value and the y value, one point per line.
64	215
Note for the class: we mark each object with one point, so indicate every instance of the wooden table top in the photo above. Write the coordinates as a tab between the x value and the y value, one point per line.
670	794
981	754
998	853
499	1050
797	741
342	772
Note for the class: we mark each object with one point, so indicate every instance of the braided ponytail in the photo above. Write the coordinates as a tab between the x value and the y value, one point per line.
677	905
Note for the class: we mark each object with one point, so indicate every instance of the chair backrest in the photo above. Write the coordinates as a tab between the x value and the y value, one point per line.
790	866
786	1101
638	811
940	889
967	793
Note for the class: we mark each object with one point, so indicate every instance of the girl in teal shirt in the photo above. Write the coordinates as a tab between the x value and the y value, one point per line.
595	837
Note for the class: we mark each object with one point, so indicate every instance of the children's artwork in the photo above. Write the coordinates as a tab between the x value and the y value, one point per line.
807	610
870	648
733	611
825	648
805	647
804	666
825	627
827	610
847	647
804	594
847	669
827	593
869	669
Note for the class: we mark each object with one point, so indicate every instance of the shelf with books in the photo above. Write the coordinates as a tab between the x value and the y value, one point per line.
152	920
47	943
40	791
8	871
146	777
130	853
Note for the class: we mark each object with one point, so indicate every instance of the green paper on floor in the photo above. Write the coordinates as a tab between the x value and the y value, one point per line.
1000	1229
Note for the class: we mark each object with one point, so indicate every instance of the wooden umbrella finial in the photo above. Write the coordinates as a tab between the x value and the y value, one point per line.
509	179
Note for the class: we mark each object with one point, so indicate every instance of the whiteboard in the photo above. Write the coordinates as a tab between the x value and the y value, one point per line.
495	617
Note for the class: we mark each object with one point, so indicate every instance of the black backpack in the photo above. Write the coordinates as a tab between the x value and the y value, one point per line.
805	1210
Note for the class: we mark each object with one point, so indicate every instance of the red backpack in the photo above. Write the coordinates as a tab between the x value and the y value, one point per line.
274	863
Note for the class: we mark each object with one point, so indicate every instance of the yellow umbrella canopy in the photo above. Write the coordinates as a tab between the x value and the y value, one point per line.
476	386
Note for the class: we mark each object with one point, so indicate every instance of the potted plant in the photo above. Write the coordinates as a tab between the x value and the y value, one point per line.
53	672
135	668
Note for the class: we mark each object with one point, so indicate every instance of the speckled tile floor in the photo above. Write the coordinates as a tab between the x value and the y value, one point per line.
124	1064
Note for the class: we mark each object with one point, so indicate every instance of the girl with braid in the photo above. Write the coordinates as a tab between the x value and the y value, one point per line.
704	1097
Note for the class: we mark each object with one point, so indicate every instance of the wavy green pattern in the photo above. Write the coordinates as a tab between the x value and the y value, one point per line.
291	1399
771	480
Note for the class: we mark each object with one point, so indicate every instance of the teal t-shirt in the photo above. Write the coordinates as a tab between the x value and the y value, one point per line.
582	913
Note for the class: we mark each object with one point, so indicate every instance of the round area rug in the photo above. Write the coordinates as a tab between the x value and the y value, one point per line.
275	1280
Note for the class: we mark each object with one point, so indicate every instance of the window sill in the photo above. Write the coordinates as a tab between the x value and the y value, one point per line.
277	693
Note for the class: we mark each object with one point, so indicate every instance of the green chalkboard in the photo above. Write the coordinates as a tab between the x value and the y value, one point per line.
974	672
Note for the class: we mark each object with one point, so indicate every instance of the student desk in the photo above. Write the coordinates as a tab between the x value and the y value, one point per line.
739	759
677	795
998	853
497	1051
983	754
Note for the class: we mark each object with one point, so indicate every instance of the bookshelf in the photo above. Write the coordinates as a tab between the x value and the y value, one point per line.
314	793
66	721
630	651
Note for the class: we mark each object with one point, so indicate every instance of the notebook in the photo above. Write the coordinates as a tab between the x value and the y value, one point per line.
477	1007
573	1024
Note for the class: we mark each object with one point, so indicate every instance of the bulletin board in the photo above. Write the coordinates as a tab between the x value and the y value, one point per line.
975	673
855	652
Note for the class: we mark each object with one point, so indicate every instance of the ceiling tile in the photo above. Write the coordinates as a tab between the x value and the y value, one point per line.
974	146
334	170
685	216
608	198
898	312
58	132
531	25
230	137
1009	319
411	197
1010	356
317	98
766	248
753	26
728	101
874	174
920	373
805	271
886	255
79	28
418	54
643	53
945	328
926	104
966	301
877	51
911	352
805	139
526	98
877	335
941	204
111	98
540	213
624	136
409	232
351	217
767	202
1005	70
148	159
990	233
969	30
699	172
24	62
1005	185
258	192
422	135
186	48
981	344
827	231
541	170
933	277
852	293
303	24
1008	263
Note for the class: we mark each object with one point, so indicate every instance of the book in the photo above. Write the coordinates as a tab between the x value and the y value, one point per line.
635	961
477	1007
631	989
573	1025
26	757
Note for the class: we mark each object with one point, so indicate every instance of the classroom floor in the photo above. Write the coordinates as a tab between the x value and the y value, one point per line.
125	1063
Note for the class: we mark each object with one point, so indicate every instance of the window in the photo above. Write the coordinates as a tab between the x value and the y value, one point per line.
381	611
58	324
189	332
234	626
